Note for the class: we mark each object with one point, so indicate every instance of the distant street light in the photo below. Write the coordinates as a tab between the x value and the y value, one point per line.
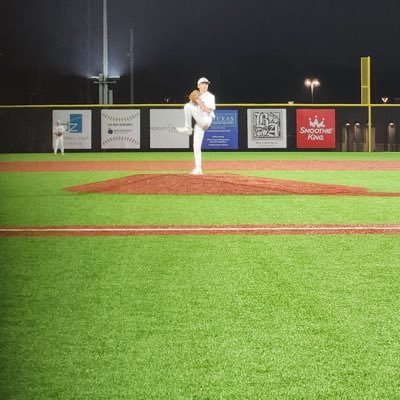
311	83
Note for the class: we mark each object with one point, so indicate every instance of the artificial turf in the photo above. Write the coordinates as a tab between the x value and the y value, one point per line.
41	199
207	156
199	317
227	317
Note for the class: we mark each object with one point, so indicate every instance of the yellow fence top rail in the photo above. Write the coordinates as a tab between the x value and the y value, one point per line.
313	105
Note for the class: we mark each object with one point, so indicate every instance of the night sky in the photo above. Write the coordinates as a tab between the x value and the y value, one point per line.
251	51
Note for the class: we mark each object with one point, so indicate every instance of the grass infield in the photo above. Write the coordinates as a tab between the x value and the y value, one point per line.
199	317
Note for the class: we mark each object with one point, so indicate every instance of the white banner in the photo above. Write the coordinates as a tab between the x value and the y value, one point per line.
266	128
163	134
120	129
78	128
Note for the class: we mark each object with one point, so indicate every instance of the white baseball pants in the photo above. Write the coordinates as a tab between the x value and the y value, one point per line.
59	144
202	123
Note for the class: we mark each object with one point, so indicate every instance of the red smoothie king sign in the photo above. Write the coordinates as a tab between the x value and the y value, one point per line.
316	129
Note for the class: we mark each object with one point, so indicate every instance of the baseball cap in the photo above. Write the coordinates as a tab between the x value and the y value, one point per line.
203	80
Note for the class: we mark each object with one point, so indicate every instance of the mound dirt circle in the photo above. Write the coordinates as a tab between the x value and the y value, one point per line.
218	184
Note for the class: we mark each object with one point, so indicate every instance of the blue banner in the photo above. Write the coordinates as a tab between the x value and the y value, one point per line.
223	132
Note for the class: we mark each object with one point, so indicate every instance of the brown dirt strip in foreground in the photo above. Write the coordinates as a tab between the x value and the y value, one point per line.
219	184
164	230
245	165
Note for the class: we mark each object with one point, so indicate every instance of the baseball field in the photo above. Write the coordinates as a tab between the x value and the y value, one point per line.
274	275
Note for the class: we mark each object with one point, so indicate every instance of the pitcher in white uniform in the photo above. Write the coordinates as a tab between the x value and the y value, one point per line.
202	111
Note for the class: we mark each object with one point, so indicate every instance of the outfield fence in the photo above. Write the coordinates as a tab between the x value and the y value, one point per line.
356	127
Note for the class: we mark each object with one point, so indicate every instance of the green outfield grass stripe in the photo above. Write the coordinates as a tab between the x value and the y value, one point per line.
201	230
208	155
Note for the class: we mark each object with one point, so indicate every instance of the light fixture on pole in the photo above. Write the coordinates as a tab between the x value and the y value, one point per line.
311	83
105	94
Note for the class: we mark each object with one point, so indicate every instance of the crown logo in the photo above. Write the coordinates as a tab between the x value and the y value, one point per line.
316	123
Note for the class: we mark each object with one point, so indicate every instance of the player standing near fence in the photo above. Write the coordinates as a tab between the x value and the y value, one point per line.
59	131
201	108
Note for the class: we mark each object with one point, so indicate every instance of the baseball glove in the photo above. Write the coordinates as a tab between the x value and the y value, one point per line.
194	96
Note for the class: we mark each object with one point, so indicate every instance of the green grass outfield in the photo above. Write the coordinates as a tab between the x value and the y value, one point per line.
199	317
233	155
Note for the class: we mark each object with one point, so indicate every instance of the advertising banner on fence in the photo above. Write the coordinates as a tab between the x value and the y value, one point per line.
163	134
266	128
78	128
316	129
120	129
223	132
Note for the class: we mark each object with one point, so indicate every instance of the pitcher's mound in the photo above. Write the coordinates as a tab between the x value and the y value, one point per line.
217	184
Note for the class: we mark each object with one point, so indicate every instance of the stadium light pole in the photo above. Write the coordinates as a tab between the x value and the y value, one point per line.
131	60
105	53
103	79
311	83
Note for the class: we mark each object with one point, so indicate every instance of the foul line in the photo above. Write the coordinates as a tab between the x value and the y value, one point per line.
199	230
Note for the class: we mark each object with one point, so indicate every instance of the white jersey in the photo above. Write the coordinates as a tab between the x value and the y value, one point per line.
59	130
209	101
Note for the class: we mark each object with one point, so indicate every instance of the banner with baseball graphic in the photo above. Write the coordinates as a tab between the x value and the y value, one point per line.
266	128
78	128
315	129
163	133
120	129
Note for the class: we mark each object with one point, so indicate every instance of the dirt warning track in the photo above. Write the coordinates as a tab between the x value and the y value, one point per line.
229	165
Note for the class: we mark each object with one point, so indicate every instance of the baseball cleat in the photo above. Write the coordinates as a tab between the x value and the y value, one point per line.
197	171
